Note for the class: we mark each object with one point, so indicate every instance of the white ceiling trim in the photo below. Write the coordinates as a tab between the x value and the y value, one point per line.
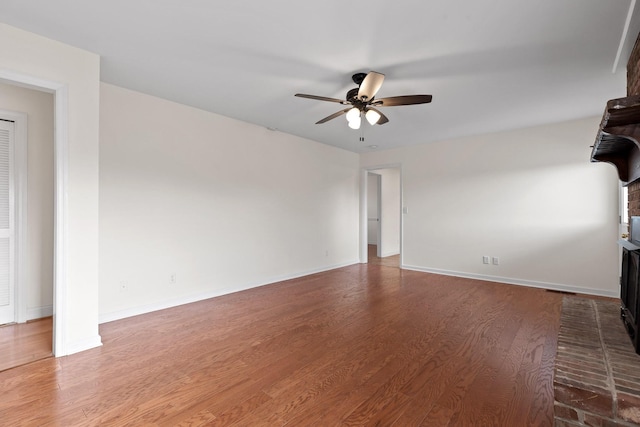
626	38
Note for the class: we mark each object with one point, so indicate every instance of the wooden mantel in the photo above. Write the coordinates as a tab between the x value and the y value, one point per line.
618	139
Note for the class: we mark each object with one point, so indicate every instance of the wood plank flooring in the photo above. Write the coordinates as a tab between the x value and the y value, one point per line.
25	342
389	261
360	345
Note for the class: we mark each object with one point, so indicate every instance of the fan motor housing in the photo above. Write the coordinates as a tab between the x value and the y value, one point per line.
352	95
358	78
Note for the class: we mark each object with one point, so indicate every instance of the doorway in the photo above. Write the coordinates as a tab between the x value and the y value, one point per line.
374	188
381	233
26	334
61	188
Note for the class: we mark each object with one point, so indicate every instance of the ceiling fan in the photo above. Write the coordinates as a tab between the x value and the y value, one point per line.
362	101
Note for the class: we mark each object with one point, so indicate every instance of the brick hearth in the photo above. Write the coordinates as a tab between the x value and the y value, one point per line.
597	372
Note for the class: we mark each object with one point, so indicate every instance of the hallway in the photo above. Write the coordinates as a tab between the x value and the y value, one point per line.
390	261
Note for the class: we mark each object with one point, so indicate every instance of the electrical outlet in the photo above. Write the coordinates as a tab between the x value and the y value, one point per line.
495	260
172	278
485	259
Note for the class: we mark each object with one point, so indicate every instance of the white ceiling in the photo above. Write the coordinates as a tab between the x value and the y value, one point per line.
490	65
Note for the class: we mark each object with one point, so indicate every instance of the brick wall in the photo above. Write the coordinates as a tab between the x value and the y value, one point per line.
596	378
633	88
634	198
633	70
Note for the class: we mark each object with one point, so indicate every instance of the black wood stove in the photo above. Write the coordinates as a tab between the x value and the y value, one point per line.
630	281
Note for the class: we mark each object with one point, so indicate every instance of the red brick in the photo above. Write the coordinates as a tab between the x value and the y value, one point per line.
563	423
565	412
596	421
633	70
633	88
594	401
629	407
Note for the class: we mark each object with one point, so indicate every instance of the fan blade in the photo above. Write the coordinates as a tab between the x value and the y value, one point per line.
370	86
402	100
383	119
320	98
333	116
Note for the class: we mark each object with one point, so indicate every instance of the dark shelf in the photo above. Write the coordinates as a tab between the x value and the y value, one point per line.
618	136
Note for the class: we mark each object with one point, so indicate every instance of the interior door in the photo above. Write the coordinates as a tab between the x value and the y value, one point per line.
7	220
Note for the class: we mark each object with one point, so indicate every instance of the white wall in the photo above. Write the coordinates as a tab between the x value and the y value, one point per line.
529	197
75	73
223	204
38	280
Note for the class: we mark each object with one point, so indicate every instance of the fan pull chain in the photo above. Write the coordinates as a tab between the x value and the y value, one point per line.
362	133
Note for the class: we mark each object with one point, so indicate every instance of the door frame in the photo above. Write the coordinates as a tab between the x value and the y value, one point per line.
20	142
61	190
364	256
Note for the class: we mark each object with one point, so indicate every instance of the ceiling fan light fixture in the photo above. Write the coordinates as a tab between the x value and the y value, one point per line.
353	114
372	116
355	123
363	103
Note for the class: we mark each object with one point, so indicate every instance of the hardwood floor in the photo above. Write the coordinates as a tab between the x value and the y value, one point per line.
360	345
389	261
25	342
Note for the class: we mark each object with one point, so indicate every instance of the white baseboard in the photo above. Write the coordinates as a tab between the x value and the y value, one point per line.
39	312
520	282
148	308
386	254
81	345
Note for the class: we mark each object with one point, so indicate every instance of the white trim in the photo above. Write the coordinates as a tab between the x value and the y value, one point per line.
22	217
148	308
623	38
39	312
61	226
363	244
28	81
82	345
61	255
520	282
381	218
20	121
386	254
